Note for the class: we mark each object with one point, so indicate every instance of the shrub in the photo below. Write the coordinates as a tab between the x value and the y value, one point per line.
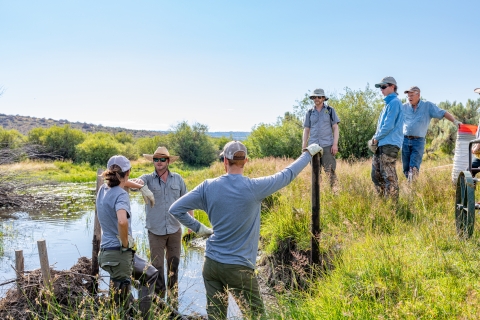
60	141
98	148
149	145
10	139
193	145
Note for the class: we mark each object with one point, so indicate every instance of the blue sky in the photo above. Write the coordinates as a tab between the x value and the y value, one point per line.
230	65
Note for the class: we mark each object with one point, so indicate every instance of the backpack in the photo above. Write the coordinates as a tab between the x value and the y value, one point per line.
329	110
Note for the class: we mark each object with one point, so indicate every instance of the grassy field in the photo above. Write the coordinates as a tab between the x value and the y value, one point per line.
386	260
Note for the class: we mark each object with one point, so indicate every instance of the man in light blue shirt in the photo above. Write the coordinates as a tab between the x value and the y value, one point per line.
388	138
417	116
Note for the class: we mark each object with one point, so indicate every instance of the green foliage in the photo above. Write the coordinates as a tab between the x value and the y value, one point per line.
358	112
149	145
442	134
98	148
282	139
221	142
193	145
10	139
124	137
60	141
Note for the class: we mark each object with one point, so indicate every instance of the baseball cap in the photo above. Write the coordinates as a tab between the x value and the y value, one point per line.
386	80
414	88
233	147
318	93
120	161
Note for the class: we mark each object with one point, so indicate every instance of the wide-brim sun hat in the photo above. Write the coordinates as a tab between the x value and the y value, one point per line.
161	152
318	93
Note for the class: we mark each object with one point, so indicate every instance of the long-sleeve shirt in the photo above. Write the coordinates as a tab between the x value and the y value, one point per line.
232	203
390	122
158	220
416	121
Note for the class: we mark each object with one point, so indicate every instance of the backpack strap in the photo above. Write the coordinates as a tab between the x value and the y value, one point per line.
329	110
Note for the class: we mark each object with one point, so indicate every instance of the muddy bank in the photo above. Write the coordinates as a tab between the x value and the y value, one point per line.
72	296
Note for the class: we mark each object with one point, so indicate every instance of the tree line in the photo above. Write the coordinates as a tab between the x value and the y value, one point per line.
358	111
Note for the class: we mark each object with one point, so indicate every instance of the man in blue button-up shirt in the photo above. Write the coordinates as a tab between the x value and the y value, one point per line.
388	138
417	115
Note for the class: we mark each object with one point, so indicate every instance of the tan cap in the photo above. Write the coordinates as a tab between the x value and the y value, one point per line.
414	88
318	93
233	147
161	152
386	80
477	90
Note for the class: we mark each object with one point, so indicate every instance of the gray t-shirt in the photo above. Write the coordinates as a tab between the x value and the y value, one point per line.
320	125
233	203
158	220
109	201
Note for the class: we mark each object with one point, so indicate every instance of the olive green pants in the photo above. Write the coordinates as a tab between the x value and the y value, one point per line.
119	264
221	279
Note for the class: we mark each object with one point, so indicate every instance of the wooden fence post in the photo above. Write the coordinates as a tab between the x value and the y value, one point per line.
44	265
19	266
315	249
97	235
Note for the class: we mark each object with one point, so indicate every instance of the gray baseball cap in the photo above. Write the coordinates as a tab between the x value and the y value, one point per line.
386	80
120	161
233	147
477	90
318	93
414	88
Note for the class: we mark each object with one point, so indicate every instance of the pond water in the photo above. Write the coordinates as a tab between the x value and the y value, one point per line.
68	231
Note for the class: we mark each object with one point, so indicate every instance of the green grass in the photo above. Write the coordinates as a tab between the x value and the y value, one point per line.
387	260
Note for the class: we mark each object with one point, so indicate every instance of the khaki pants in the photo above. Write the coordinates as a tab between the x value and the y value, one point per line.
172	244
240	281
329	164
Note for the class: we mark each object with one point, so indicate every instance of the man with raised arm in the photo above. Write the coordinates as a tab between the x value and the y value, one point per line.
417	116
232	203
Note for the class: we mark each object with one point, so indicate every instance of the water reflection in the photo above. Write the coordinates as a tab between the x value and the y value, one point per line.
68	232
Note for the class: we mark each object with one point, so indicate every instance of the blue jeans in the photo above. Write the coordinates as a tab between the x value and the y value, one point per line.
412	153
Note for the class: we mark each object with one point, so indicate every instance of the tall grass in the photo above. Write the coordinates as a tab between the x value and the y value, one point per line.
387	260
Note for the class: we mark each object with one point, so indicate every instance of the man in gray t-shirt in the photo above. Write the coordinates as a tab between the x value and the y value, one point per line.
321	127
232	203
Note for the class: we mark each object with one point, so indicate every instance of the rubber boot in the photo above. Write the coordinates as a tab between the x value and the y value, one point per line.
121	295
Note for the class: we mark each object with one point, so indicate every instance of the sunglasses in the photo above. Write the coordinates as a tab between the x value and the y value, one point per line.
159	159
385	86
313	98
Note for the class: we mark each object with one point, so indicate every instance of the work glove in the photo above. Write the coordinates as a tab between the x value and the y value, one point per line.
457	123
131	242
313	149
204	230
373	147
147	195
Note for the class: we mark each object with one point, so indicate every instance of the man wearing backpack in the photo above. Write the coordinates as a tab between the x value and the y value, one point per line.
321	127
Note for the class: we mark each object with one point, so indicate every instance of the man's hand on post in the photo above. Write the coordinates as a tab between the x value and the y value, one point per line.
147	195
313	149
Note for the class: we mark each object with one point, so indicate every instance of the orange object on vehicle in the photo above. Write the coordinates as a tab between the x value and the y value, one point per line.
468	128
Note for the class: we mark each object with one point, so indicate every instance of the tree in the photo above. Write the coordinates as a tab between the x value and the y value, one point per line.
193	145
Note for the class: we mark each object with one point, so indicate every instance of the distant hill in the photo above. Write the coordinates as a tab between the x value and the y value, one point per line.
24	124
